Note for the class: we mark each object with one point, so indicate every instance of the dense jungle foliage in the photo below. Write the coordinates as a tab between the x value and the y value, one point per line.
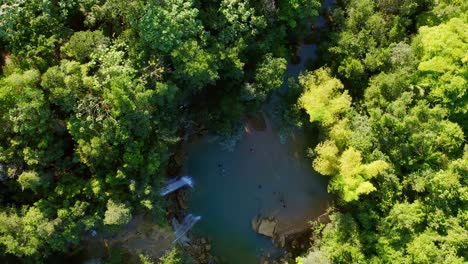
95	94
392	104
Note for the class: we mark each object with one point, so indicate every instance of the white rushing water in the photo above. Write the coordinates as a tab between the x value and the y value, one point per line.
175	185
185	226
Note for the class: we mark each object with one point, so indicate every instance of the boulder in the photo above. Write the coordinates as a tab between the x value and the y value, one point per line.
289	238
267	227
264	226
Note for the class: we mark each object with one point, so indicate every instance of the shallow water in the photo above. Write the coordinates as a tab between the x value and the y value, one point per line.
261	176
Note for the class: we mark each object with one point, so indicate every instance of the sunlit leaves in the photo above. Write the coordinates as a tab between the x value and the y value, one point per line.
268	77
25	233
116	214
430	247
171	257
194	66
25	117
83	43
30	180
326	162
341	242
323	98
32	29
241	20
443	67
67	83
402	144
350	176
167	24
351	68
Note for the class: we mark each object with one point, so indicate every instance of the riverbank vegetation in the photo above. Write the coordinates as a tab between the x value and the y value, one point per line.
395	150
95	94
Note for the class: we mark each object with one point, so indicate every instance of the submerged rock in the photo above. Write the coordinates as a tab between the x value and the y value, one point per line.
257	122
324	218
200	250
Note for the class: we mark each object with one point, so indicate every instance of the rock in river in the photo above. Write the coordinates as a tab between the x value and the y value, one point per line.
264	226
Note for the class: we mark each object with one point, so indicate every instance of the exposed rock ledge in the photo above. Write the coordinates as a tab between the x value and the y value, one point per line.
282	236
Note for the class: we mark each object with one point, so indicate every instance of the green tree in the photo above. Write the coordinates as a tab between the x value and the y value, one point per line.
350	178
341	241
296	13
268	77
25	115
194	66
33	29
443	67
241	20
67	84
166	24
117	214
171	257
30	180
402	142
441	11
25	233
83	43
323	99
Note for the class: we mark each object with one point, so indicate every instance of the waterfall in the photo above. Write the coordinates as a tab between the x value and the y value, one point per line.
175	185
185	226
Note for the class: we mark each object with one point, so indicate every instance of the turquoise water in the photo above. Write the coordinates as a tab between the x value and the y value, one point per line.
261	176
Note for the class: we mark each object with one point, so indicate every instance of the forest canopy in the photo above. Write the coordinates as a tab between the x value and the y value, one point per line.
96	94
396	156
